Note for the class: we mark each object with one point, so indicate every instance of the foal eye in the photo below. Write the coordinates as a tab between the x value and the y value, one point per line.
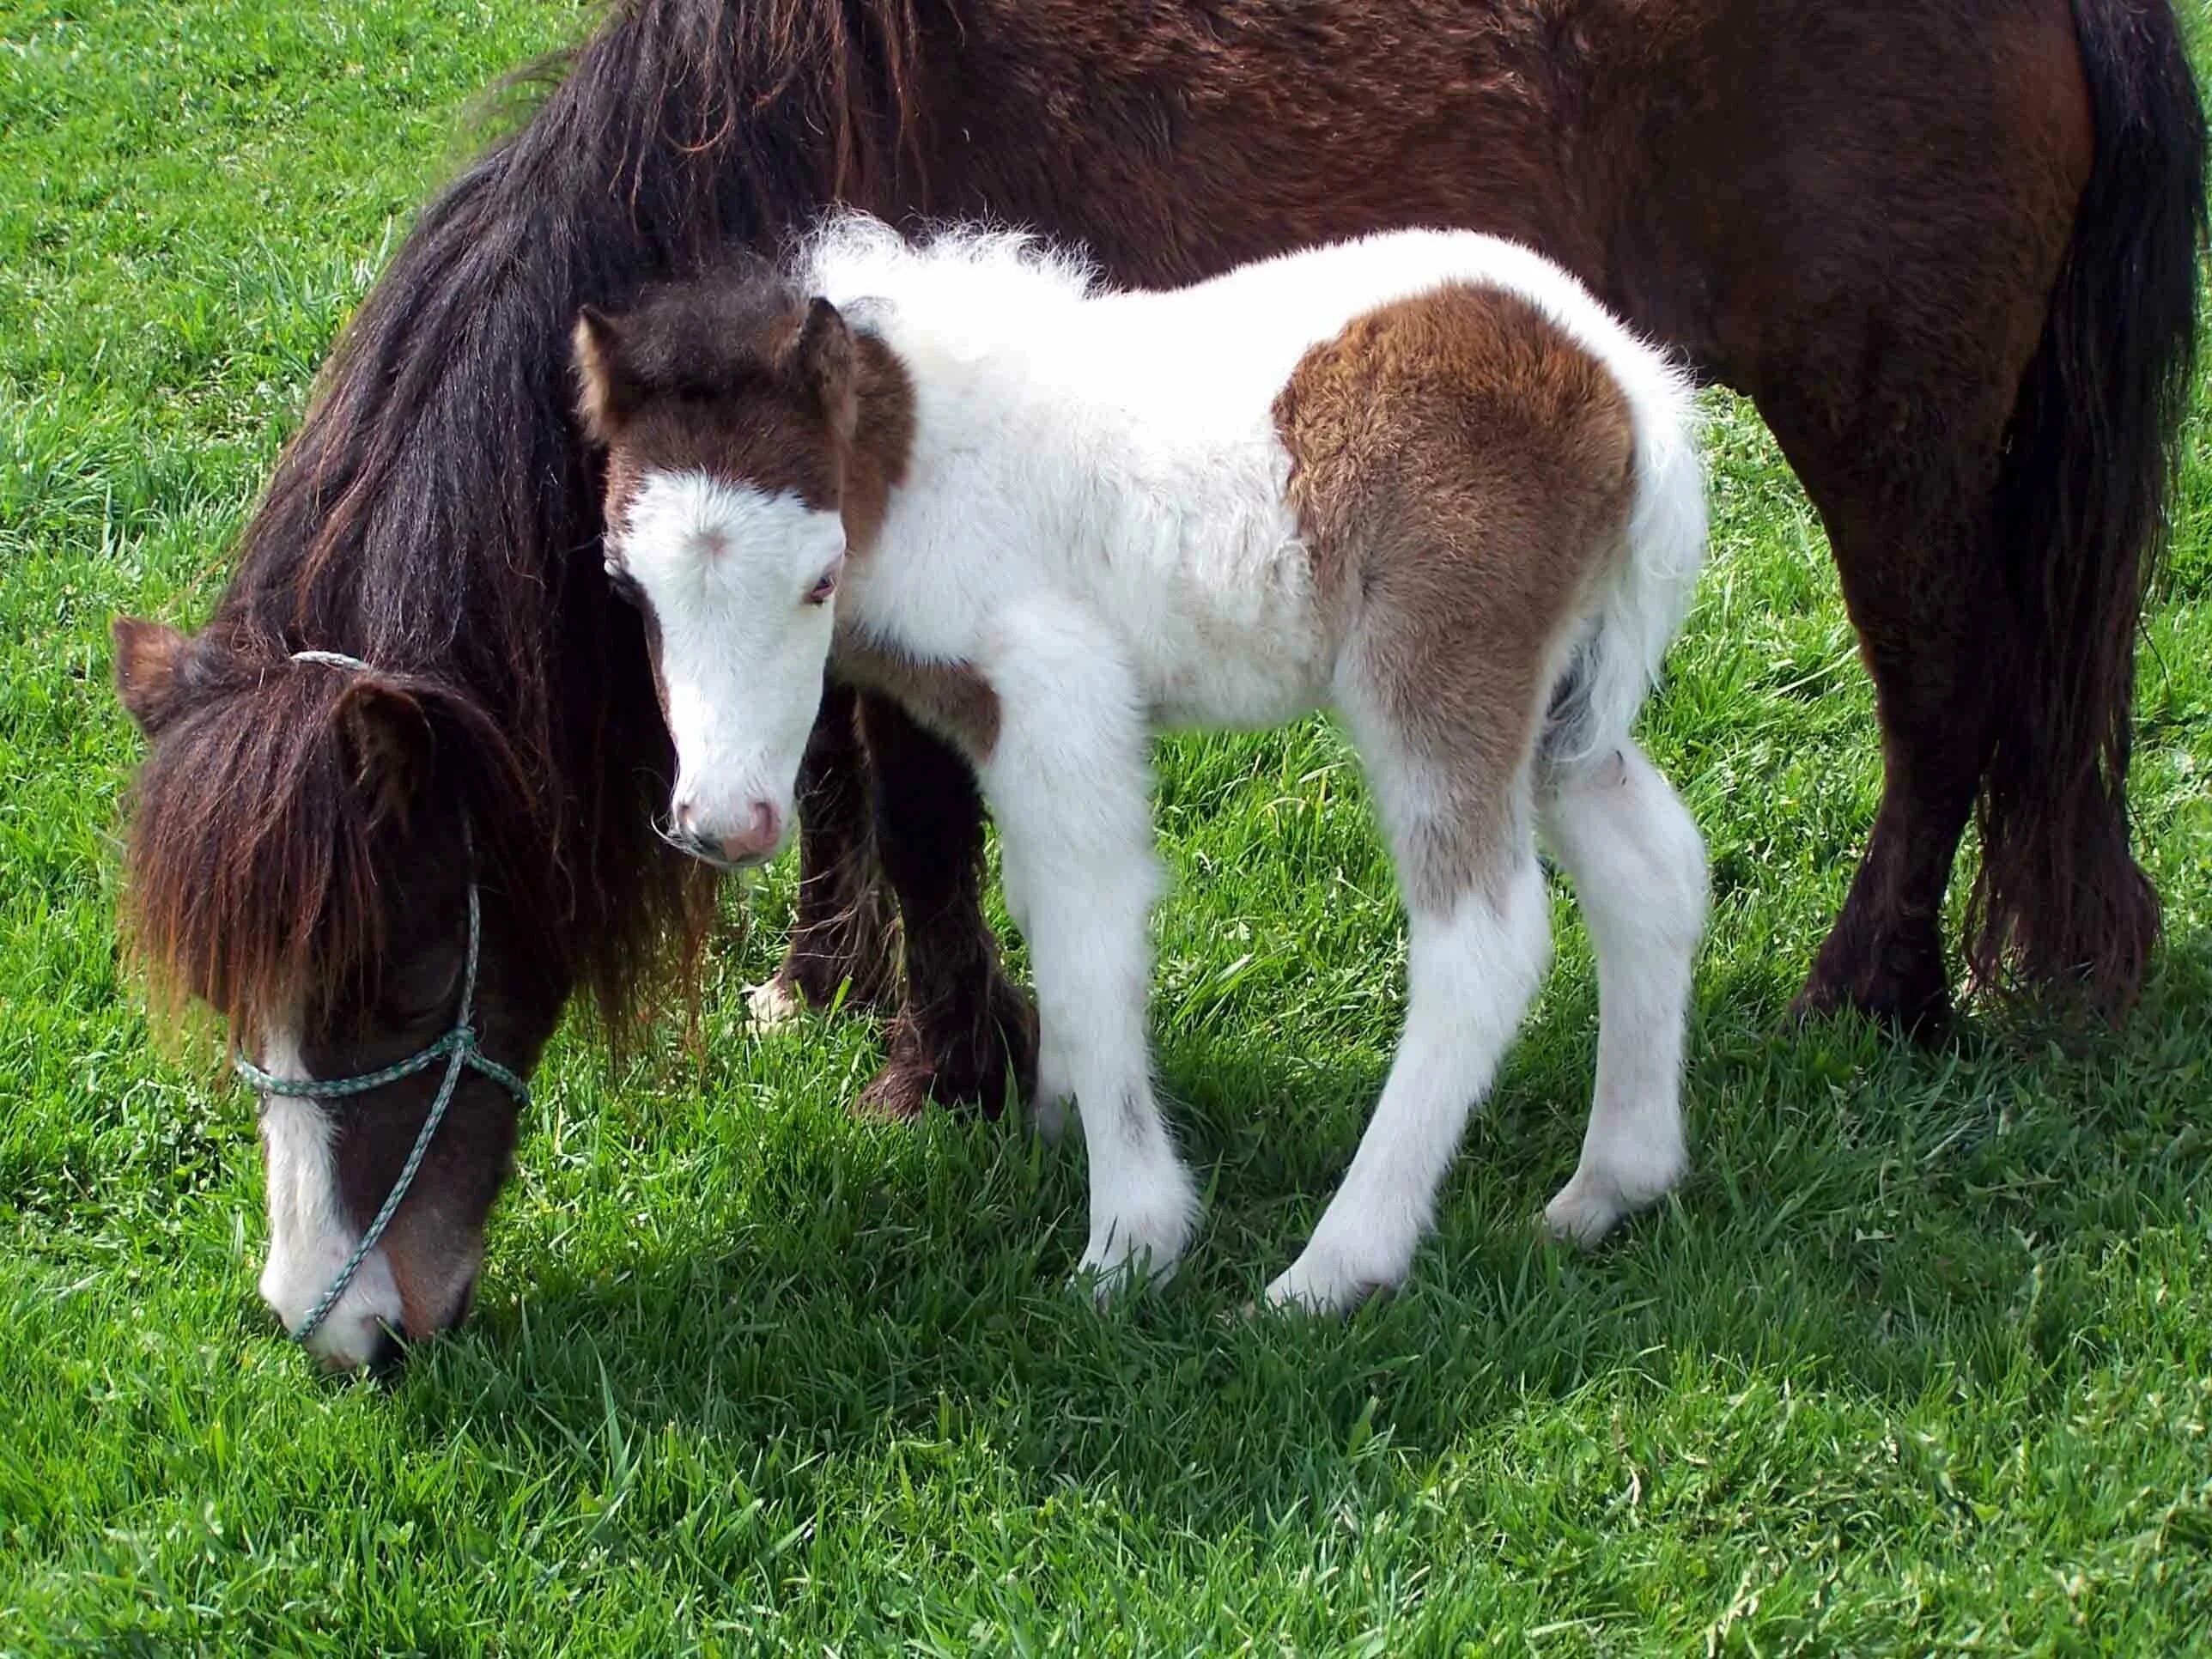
826	583
624	584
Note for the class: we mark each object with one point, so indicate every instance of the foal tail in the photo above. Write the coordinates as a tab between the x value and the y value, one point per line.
1636	615
2080	503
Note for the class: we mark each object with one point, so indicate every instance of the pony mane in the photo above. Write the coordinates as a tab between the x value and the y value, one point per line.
970	279
252	873
857	250
437	515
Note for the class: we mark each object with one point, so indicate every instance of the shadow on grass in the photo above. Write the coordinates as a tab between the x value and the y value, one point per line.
1867	1220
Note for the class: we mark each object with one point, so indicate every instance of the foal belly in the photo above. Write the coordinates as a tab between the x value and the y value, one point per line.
1249	657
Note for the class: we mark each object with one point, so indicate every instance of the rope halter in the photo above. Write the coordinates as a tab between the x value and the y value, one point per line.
459	1048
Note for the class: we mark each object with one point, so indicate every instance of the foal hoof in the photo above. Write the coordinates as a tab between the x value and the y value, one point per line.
1592	1205
1328	1279
1140	1248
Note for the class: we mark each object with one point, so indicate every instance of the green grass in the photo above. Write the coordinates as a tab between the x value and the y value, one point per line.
1921	1358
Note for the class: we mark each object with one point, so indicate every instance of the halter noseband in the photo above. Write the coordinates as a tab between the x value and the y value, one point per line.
459	1048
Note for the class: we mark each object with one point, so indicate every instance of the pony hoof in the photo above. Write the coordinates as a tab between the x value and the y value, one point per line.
897	1094
774	1006
1917	1004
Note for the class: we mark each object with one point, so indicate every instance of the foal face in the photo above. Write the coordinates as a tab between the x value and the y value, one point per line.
727	417
736	581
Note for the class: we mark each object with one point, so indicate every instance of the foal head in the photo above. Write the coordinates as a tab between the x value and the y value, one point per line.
729	413
307	835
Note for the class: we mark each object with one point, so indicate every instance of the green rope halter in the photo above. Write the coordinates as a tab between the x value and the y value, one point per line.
459	1048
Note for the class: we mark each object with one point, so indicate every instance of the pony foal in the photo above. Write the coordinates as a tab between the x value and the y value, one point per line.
1422	478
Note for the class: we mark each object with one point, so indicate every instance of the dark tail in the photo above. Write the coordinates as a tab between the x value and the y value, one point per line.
2060	900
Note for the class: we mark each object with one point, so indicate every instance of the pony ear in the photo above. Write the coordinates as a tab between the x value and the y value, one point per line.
822	361
390	745
605	391
146	658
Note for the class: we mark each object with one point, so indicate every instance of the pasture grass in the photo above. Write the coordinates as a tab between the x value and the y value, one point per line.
1920	1359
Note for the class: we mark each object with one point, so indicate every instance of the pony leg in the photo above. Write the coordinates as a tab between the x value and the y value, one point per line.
962	1028
840	928
1071	791
1638	867
1926	594
1474	966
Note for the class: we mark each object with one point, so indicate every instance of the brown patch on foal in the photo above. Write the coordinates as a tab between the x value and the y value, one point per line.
756	385
752	383
1463	472
951	699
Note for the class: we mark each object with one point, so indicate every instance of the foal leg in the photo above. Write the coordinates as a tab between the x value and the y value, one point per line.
842	925
1474	960
962	1028
1638	867
1453	795
1071	790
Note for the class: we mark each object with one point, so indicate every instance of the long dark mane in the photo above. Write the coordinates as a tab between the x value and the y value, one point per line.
437	517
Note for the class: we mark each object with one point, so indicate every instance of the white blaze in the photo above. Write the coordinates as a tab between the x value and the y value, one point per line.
309	1235
726	569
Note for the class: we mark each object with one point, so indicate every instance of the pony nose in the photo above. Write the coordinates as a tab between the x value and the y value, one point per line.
762	831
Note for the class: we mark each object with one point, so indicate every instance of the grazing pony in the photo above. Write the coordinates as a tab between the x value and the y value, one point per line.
1947	246
1422	478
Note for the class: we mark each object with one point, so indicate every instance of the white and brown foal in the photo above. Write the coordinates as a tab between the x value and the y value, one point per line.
1424	479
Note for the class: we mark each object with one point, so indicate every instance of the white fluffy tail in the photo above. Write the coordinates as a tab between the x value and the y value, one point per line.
1641	606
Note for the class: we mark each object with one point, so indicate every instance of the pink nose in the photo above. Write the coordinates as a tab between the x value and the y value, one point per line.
762	831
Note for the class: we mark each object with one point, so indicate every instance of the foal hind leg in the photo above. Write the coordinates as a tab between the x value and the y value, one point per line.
1638	867
1474	960
1456	811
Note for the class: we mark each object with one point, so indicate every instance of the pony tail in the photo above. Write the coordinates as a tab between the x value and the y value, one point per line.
2059	900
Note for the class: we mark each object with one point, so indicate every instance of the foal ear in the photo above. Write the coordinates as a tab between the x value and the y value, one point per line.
605	392
390	747
822	361
146	658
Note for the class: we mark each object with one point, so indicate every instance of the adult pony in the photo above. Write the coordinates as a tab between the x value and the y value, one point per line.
1950	246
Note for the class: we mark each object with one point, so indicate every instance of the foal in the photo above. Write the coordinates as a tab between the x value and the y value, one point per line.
1422	478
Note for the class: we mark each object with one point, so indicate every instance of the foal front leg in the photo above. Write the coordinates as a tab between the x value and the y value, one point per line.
1070	789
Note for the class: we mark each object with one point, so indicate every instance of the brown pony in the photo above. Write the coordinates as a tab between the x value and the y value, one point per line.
1948	247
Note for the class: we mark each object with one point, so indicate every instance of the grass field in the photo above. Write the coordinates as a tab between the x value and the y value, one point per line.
1920	1358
